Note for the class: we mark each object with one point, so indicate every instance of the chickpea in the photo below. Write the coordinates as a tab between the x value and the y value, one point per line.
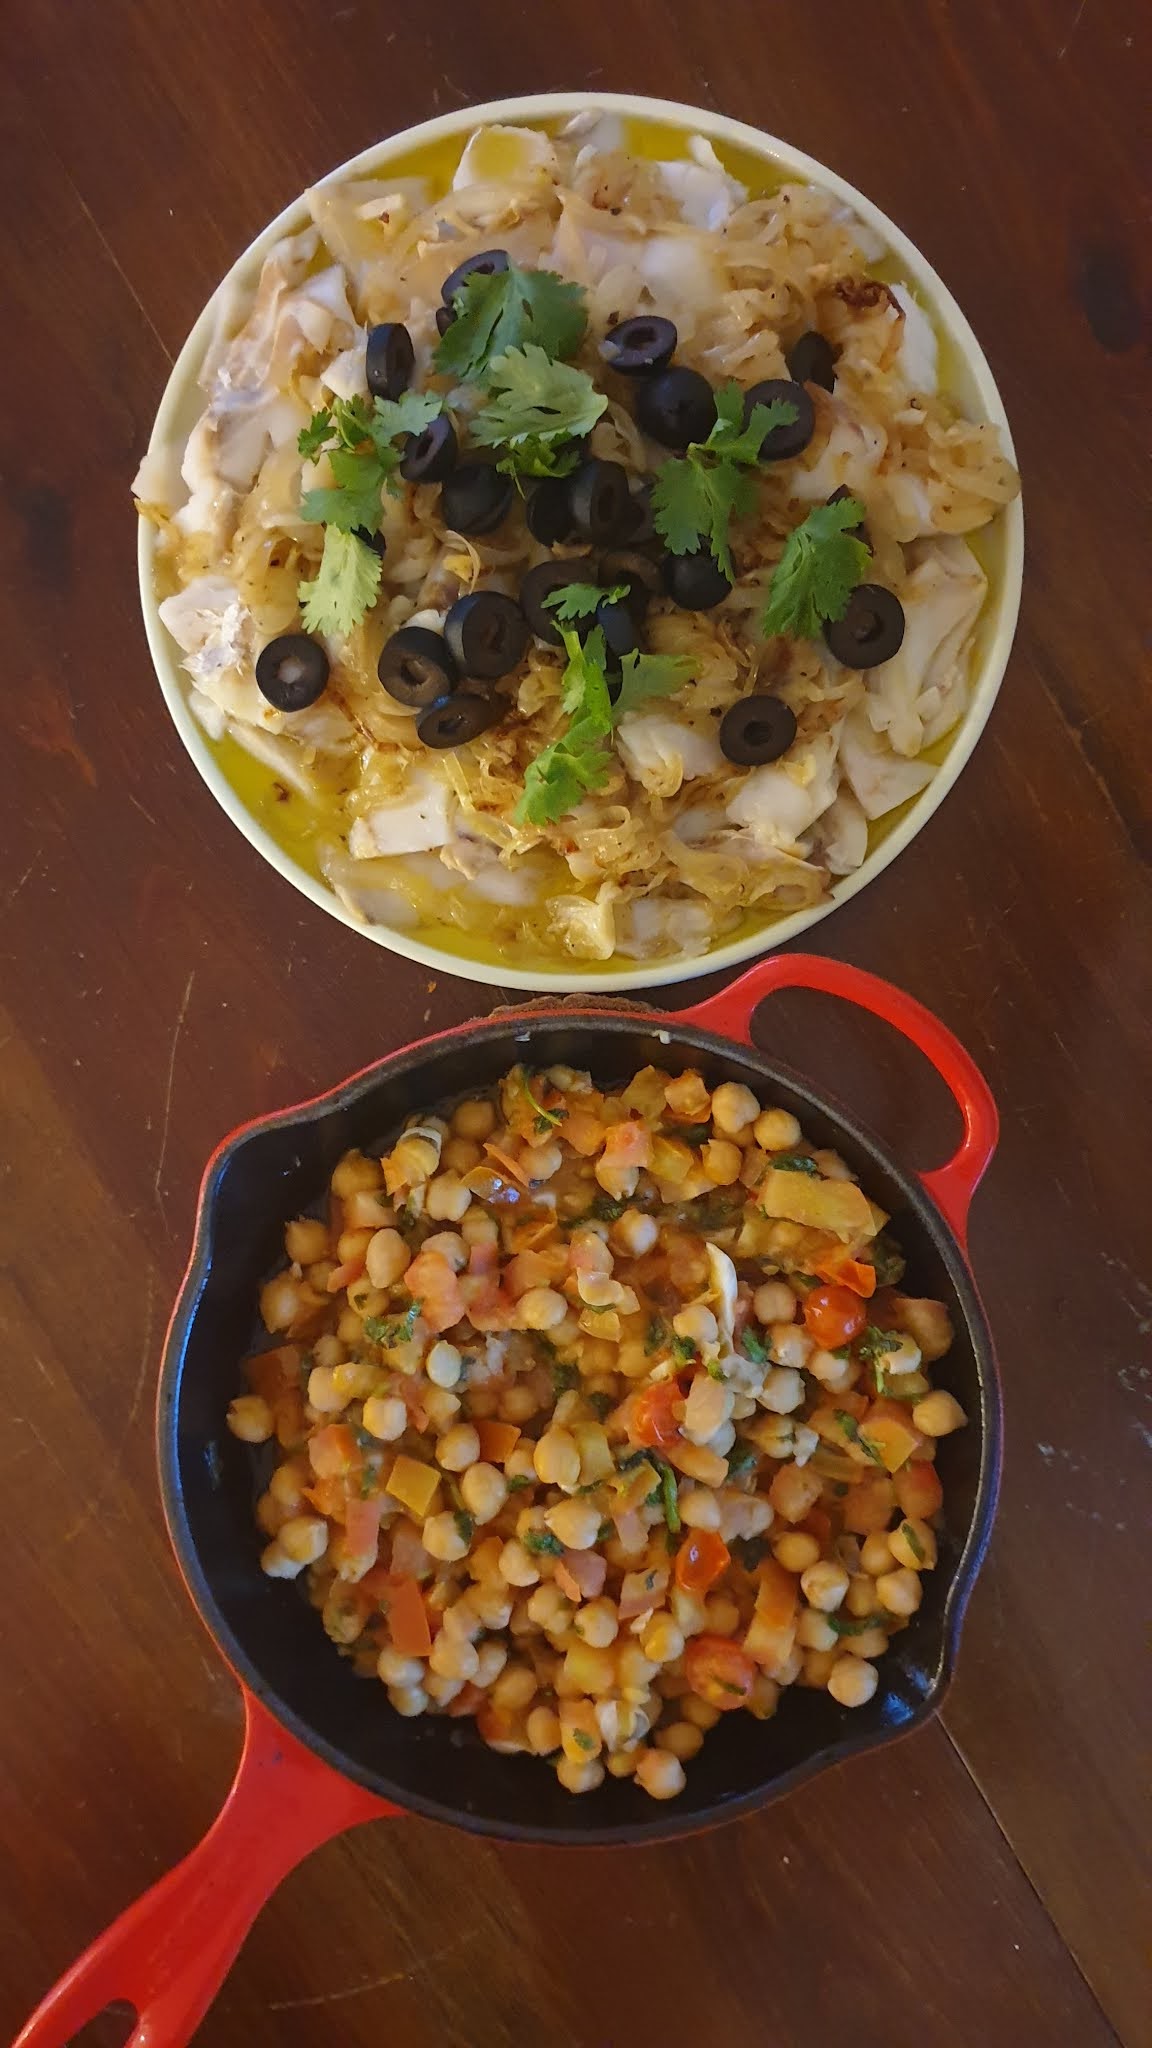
444	1538
303	1538
368	1209
876	1553
475	1120
493	1602
766	1694
795	1550
280	1302
662	1641
458	1448
860	1599
447	1199
783	1390
817	1667
814	1631
250	1418
442	1691
635	1233
734	1108
688	1097
938	1414
352	1245
366	1299
660	1773
596	1623
408	1700
306	1240
557	1458
575	1522
514	1688
517	1565
852	1681
913	1543
791	1346
871	1642
834	1373
397	1670
900	1591
538	1163
579	1777
700	1509
697	1324
479	1228
460	1155
824	1586
484	1490
777	1131
701	1713
440	1407
387	1258
681	1739
549	1609
541	1308
722	1160
287	1484
723	1615
774	1302
688	1612
324	1392
443	1364
621	1763
543	1730
453	1657
276	1564
355	1172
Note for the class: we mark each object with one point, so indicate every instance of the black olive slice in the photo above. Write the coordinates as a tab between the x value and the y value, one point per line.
871	630
639	345
757	729
430	455
676	406
600	499
812	360
389	359
486	264
292	672
486	634
696	582
453	721
549	512
638	572
539	583
416	667
783	442
475	498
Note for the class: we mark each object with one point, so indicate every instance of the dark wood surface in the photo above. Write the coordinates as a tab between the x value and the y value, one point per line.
987	1879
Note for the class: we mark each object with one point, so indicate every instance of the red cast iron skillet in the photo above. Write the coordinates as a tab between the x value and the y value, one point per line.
322	1751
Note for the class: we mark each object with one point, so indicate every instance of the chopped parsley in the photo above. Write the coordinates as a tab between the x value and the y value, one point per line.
795	1162
465	1523
545	1119
873	1344
511	309
742	1457
542	1543
391	1331
688	1134
913	1541
754	1347
519	1481
851	1428
564	1378
600	1405
607	1208
670	1498
605	1530
695	496
851	1624
749	1550
822	562
582	1739
684	1350
655	1335
888	1260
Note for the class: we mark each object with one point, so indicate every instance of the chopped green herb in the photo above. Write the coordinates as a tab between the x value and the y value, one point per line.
851	1428
564	1378
822	562
850	1624
714	1369
537	409
750	1550
874	1344
363	1437
465	1524
628	1460
843	1352
685	1350
600	1405
344	587
582	1739
605	1530
888	1260
511	309
519	1481
805	1281
890	1389
559	778
742	1457
649	1582
670	1498
688	1134
913	1541
655	1334
575	601
694	496
542	1543
545	1119
726	1685
391	1331
644	676
795	1162
607	1208
754	1347
310	440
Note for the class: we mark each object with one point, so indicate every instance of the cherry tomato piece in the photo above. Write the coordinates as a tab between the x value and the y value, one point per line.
833	1316
720	1671
652	1420
702	1558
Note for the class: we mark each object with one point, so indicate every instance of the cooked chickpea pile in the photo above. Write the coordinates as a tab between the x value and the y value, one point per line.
601	1416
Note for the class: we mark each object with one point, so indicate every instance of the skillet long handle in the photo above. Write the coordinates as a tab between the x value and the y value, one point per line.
169	1953
952	1185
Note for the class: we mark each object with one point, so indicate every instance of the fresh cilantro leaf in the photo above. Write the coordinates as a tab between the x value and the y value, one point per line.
538	455
546	1119
518	1482
689	1134
754	1347
344	587
581	600
354	501
582	1739
656	1333
600	1404
851	1428
607	1208
351	421
913	1541
888	1260
465	1524
890	1389
872	1345
649	675
684	1349
822	562
310	440
556	781
393	1330
408	414
508	310
696	496
533	399
542	1543
850	1624
564	1378
795	1162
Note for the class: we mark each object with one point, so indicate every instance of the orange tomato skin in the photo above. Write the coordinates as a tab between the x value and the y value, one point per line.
719	1670
652	1420
918	1490
834	1316
702	1558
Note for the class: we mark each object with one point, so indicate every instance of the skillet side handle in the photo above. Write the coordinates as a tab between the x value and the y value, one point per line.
169	1953
951	1186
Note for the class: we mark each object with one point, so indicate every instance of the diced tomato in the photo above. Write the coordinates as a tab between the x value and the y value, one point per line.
719	1671
408	1553
702	1558
407	1615
580	1574
651	1419
334	1452
584	1131
362	1526
833	1316
628	1144
497	1439
777	1595
271	1372
818	1522
343	1276
329	1496
918	1490
431	1281
846	1272
508	1166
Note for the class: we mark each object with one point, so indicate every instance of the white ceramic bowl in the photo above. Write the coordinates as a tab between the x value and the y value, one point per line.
971	382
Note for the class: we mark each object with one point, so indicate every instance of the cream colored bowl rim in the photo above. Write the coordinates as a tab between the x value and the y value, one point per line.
656	974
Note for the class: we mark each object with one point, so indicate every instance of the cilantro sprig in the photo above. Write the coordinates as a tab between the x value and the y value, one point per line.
578	762
576	601
696	496
360	440
509	310
822	562
537	411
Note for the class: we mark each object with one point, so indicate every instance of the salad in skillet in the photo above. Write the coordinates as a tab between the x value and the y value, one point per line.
585	544
596	1416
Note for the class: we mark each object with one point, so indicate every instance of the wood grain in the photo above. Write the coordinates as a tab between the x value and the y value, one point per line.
988	1878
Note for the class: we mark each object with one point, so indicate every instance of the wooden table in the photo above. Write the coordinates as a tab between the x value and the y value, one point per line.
987	1880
